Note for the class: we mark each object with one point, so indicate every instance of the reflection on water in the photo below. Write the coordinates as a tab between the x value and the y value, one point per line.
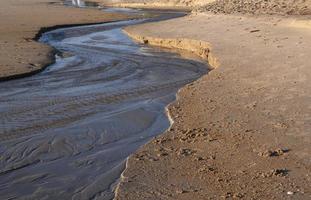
79	3
82	3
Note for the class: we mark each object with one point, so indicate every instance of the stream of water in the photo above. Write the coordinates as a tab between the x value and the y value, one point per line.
65	133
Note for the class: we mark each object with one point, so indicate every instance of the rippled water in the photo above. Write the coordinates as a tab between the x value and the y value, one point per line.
66	133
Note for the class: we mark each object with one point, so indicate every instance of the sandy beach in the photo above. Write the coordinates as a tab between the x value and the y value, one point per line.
21	21
243	130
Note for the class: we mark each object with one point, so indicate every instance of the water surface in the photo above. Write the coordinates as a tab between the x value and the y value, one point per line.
66	133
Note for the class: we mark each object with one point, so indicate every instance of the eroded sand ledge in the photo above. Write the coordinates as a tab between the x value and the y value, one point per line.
242	131
199	48
20	22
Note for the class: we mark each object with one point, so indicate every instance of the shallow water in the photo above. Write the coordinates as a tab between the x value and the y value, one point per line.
66	133
81	3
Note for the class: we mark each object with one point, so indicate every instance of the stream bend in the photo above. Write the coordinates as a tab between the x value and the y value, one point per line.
65	133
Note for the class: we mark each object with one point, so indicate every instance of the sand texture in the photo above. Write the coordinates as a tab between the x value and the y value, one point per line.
240	132
196	47
157	3
281	7
20	21
243	130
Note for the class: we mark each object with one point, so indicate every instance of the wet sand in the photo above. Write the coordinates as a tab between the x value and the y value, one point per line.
66	132
20	21
243	130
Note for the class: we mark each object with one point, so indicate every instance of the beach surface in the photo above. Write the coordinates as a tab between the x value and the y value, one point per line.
243	130
21	21
240	132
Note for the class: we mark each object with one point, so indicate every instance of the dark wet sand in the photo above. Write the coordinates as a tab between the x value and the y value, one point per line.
243	130
21	20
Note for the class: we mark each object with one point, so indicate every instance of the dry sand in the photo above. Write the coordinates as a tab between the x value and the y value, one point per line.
20	21
280	7
243	130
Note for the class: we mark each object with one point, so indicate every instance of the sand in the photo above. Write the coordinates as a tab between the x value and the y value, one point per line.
20	21
171	4
243	130
280	7
86	113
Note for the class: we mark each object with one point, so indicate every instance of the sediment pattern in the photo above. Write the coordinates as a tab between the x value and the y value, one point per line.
65	133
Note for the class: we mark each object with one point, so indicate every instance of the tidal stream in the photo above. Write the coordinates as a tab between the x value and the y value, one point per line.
66	133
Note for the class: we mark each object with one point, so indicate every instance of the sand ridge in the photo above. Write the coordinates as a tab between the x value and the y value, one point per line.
199	48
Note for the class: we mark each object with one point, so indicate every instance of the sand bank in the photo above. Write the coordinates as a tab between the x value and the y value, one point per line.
243	130
197	47
20	21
